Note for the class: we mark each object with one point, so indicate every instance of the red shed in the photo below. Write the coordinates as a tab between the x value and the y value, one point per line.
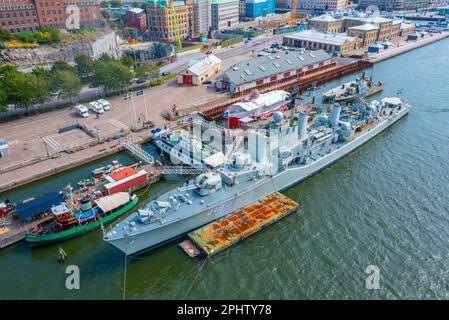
125	179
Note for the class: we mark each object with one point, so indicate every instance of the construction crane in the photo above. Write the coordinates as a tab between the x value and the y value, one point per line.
293	12
175	25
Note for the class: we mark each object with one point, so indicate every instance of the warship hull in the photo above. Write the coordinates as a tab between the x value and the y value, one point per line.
149	239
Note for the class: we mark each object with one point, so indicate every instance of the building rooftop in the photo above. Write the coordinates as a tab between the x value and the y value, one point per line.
332	39
136	10
273	64
371	19
365	27
324	18
223	1
198	67
405	25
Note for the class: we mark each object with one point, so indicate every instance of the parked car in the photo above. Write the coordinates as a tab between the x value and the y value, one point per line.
165	73
140	81
96	107
104	103
207	82
81	111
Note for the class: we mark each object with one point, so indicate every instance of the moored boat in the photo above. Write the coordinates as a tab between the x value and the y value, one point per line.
360	88
257	106
89	215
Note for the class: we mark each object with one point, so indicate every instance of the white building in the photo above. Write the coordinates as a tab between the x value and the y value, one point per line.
224	14
202	13
200	70
309	6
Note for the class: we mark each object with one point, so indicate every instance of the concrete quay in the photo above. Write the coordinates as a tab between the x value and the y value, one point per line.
402	48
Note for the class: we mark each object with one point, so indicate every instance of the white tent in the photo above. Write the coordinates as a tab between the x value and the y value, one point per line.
111	202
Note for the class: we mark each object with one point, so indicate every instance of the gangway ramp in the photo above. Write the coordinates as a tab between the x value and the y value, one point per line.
137	151
181	170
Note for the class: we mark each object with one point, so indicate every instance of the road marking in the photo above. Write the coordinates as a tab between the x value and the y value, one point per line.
118	124
52	143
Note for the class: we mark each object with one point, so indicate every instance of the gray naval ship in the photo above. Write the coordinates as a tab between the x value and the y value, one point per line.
272	160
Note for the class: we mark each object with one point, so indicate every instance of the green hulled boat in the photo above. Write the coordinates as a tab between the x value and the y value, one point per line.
67	224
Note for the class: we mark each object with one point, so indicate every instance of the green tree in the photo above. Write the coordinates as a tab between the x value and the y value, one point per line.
127	60
3	100
84	65
5	70
116	3
111	75
23	90
62	65
147	70
104	4
104	57
105	14
54	34
66	83
42	74
5	35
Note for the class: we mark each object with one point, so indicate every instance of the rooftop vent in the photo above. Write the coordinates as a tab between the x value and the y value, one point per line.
312	55
235	68
300	58
249	73
262	68
288	61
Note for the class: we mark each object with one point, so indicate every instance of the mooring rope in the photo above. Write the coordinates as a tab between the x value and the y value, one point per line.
196	276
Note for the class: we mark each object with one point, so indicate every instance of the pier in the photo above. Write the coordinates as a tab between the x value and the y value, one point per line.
390	53
15	231
225	232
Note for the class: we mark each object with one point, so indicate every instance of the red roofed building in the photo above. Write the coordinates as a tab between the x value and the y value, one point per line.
125	179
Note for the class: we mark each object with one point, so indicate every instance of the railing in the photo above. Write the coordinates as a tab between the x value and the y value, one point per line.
138	152
181	170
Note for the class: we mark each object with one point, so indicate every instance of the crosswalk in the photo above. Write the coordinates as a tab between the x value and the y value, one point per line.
50	141
119	124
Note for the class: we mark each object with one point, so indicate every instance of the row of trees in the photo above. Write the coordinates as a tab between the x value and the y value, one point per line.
24	90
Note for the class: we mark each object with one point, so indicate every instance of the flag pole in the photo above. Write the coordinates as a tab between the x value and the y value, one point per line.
134	109
145	103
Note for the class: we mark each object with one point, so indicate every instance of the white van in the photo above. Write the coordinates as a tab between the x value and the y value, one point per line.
96	107
82	111
104	103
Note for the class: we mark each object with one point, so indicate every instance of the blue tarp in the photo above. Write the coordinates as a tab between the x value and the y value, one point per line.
32	208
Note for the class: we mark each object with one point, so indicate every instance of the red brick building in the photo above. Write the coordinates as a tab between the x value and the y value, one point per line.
30	15
17	16
136	18
52	13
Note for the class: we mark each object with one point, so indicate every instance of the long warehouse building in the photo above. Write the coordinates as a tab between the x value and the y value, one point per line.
274	68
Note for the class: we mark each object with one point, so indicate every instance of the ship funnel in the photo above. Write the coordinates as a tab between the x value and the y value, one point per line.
335	115
302	125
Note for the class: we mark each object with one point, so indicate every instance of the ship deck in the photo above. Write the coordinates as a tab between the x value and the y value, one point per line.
223	233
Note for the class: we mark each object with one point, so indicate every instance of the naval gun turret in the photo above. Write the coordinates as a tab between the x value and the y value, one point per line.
208	183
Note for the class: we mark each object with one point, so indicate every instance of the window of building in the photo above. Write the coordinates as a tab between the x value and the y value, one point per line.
259	82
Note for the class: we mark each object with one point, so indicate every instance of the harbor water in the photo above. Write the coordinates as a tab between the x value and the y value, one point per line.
384	205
